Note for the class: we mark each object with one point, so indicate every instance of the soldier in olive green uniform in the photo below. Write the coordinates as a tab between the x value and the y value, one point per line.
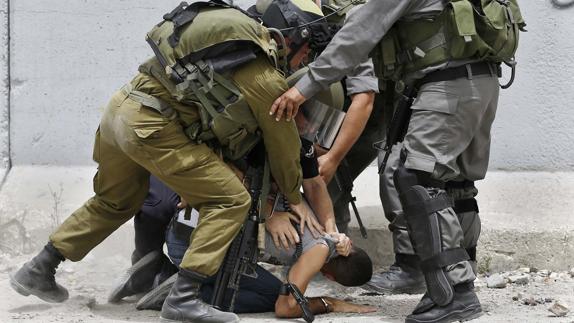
146	128
449	51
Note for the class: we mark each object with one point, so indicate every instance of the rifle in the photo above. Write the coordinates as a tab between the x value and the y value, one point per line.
241	258
399	123
345	183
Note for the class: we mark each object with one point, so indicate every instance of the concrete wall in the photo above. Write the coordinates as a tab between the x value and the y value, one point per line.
68	56
4	88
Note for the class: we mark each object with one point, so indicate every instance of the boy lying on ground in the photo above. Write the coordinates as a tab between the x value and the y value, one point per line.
341	262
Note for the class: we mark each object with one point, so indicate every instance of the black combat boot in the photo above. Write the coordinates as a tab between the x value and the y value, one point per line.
154	299
403	277
162	284
184	305
138	278
36	277
465	306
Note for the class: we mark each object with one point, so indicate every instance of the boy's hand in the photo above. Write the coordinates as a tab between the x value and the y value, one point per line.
344	244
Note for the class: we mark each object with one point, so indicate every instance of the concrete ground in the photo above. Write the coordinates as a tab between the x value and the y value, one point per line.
527	222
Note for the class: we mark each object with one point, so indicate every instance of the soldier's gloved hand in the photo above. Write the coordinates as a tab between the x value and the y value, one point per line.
305	218
287	104
344	244
281	230
327	167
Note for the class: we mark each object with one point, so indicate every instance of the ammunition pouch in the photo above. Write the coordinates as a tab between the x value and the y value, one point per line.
481	30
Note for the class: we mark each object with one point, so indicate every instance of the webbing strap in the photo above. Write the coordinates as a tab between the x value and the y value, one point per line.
443	259
459	184
428	207
203	72
201	96
265	188
465	205
150	101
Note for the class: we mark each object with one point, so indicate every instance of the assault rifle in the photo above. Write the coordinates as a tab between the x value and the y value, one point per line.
345	184
241	257
399	123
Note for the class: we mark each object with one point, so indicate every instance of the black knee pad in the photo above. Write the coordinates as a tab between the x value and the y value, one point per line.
424	201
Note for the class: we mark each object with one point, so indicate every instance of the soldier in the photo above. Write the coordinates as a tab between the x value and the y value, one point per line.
404	275
152	125
448	52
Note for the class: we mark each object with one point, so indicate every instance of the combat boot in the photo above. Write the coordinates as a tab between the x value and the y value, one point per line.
154	299
403	277
36	277
184	305
138	278
465	306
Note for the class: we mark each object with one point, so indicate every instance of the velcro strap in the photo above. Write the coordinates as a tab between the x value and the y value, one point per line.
465	205
428	207
443	259
459	184
284	289
179	20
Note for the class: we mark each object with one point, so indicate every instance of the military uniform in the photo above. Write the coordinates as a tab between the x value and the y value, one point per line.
135	140
448	137
360	80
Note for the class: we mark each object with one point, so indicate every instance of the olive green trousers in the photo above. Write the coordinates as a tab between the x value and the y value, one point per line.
134	141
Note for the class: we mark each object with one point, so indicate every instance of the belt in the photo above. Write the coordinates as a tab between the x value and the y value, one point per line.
466	71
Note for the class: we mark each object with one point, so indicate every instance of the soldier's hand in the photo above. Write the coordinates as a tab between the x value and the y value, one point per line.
305	218
287	104
282	231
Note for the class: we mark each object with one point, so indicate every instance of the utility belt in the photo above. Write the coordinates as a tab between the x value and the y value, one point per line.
463	71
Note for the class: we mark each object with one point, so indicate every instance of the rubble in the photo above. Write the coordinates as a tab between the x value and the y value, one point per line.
559	309
495	281
519	279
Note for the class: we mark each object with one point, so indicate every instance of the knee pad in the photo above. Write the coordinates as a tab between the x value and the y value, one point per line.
427	211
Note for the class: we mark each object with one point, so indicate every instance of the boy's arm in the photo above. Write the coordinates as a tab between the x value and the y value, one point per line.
301	273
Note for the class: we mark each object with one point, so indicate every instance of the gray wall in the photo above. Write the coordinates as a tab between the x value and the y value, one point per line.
68	56
4	87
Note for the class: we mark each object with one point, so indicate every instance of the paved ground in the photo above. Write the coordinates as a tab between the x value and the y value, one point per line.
527	222
89	282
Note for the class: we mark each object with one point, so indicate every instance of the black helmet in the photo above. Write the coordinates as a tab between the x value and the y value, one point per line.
300	20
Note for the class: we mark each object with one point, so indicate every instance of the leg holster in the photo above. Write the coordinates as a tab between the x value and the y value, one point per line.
434	230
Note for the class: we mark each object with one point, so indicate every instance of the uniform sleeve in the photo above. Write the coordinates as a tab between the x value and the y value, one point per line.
352	44
261	84
362	79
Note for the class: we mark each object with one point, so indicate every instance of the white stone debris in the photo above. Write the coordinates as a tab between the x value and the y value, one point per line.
519	279
559	309
495	281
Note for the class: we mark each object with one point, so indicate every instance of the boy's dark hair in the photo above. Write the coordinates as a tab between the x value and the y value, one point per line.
354	270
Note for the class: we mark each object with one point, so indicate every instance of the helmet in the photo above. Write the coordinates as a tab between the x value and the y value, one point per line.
300	20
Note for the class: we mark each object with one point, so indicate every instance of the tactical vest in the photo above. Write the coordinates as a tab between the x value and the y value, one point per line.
483	30
195	52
